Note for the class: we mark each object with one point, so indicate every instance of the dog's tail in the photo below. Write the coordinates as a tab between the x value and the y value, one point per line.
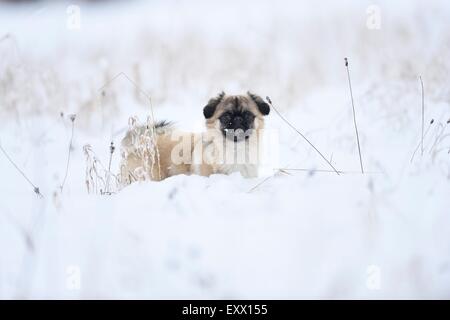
163	126
132	140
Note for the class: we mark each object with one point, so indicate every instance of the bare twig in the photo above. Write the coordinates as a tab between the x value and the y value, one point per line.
98	178
418	146
423	112
152	126
354	115
111	151
302	135
123	74
438	137
256	186
328	171
72	119
35	188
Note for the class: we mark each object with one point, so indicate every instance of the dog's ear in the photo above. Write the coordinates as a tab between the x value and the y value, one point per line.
263	107
210	108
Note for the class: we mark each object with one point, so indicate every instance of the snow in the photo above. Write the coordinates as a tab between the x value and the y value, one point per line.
310	234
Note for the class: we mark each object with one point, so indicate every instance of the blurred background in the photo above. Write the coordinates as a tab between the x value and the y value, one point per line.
307	234
175	49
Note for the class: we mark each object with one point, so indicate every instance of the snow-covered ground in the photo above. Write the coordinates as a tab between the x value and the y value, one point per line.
310	234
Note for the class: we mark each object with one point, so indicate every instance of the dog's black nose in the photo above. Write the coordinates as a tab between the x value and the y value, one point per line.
238	122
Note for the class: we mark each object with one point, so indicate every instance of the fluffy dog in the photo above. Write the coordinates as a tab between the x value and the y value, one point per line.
231	143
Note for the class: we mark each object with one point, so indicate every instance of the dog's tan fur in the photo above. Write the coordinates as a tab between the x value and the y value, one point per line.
158	168
136	167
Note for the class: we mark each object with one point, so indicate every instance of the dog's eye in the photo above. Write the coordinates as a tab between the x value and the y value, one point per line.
225	118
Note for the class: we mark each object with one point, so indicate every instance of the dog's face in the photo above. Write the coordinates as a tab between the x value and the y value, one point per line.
237	117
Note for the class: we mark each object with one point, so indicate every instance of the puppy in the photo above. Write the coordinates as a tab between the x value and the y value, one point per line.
231	143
